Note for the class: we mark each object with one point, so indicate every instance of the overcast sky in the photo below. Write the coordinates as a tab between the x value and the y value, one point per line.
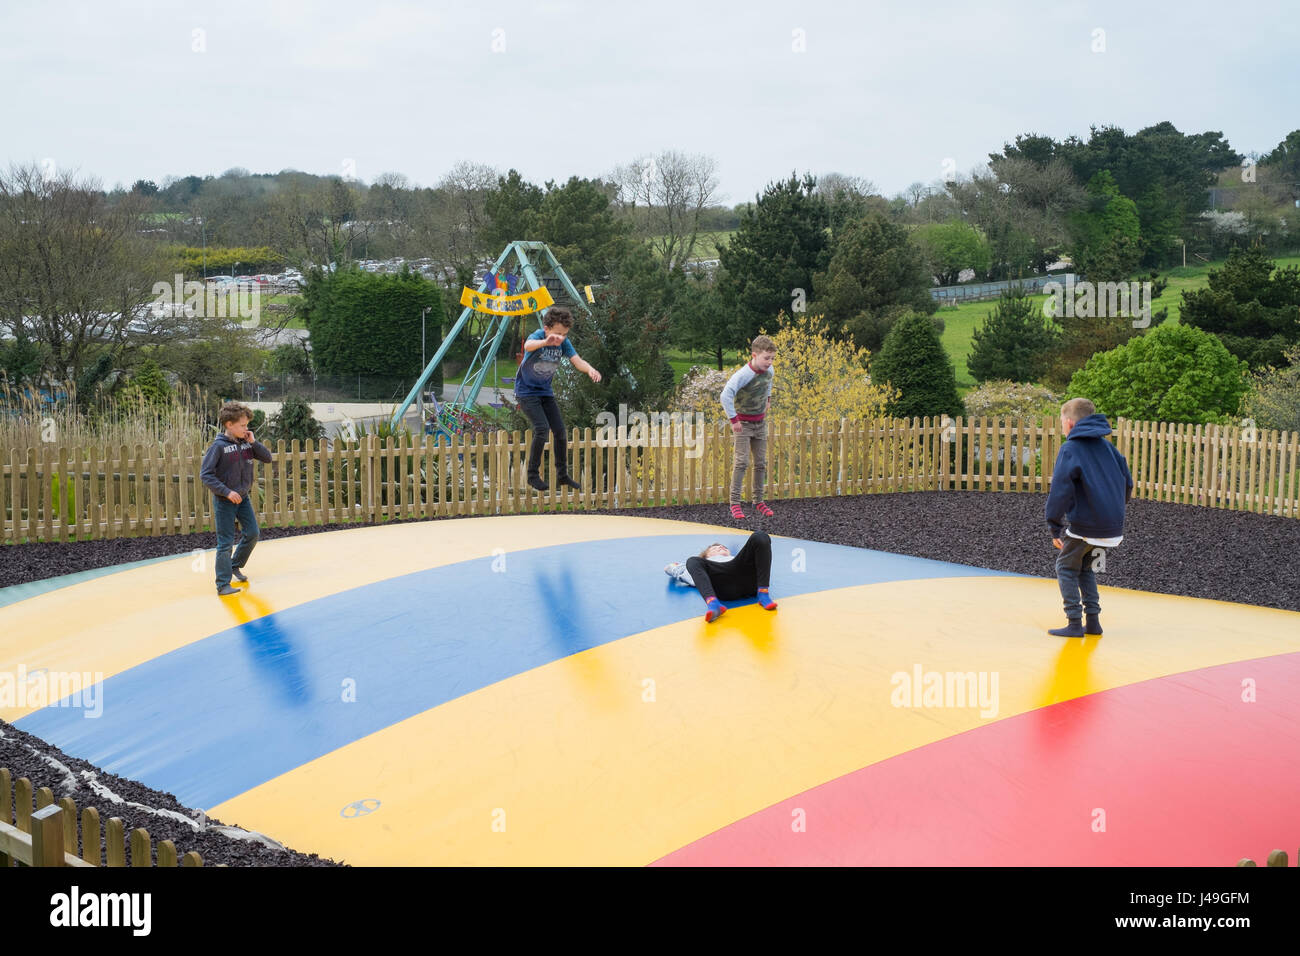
554	88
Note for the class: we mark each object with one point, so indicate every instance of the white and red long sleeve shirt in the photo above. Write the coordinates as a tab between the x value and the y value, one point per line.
744	398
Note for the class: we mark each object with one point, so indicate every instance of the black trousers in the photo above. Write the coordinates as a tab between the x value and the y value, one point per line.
544	413
741	577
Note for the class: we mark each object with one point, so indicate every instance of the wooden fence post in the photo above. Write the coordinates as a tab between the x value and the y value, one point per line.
91	851
47	836
115	841
141	848
6	809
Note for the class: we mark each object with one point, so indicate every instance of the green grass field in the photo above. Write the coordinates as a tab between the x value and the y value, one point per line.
960	322
707	246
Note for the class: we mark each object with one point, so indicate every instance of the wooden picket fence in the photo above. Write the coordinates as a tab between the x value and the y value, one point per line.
47	836
54	493
1275	858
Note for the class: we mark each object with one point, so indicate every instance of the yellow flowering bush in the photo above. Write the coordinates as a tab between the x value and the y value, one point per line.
819	378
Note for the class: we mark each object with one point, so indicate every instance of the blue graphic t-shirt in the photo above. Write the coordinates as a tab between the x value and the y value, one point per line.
538	367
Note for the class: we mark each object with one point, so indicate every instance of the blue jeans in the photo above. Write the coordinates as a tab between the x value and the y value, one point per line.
225	512
1075	575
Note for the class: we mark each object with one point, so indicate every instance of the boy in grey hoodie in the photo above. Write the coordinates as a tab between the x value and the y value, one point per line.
227	472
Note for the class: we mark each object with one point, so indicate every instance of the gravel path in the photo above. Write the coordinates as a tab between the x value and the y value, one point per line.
1168	548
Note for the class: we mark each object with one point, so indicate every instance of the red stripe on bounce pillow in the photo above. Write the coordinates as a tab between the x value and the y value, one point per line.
1184	770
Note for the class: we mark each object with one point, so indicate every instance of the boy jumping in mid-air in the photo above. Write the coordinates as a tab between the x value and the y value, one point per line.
543	351
1091	484
227	472
746	399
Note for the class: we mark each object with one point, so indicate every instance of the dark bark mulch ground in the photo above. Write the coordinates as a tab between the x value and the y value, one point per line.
1168	548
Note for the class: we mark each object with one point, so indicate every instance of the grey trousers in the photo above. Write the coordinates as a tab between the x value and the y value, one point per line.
1075	575
751	443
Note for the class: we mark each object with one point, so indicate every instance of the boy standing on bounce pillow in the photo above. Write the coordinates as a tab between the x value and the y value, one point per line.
227	471
1091	485
745	400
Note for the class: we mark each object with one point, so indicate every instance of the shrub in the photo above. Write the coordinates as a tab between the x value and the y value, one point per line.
369	324
1003	399
1273	400
698	391
818	378
148	385
1175	373
295	420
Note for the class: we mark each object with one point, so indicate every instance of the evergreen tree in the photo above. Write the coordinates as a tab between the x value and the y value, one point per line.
576	219
702	321
876	273
295	420
1107	232
913	361
369	324
20	360
512	210
1251	305
149	384
1014	343
626	338
782	240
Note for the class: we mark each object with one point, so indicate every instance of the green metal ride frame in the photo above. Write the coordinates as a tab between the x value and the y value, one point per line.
533	263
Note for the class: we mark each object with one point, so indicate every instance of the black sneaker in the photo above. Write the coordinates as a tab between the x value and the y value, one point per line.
538	484
567	482
237	574
1073	628
228	590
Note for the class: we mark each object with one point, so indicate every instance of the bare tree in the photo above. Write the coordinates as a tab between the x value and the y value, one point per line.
317	223
460	216
391	206
666	197
837	187
75	270
1023	207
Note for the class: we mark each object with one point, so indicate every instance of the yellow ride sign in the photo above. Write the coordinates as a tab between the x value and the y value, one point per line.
520	304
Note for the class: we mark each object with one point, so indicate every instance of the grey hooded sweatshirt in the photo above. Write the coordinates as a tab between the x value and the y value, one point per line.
228	465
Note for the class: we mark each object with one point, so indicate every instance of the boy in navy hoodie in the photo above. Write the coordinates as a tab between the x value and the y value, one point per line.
227	472
1091	484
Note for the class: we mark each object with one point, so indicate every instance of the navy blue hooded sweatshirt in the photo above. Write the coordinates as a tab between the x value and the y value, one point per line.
228	465
1090	483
